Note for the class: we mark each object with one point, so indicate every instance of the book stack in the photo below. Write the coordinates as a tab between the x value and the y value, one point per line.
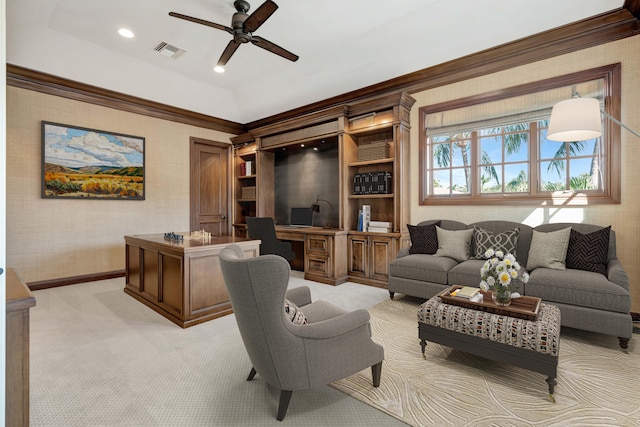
380	227
364	217
248	165
467	292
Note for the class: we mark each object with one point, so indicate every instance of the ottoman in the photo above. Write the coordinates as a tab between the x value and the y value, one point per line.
530	344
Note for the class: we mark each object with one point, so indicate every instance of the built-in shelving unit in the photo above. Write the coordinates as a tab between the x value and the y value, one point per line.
373	137
376	140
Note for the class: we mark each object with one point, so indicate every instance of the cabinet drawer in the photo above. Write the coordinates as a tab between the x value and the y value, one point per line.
318	266
318	244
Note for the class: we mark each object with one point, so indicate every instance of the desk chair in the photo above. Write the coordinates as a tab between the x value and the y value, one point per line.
265	230
310	345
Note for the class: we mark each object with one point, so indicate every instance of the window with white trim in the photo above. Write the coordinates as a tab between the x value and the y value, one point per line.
492	149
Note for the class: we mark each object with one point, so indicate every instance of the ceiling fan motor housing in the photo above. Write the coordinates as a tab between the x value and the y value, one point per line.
237	21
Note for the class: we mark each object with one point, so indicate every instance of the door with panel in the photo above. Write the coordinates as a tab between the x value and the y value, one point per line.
209	188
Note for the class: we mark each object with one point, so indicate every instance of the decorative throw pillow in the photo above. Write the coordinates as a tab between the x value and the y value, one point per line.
424	239
294	314
485	240
589	252
454	244
549	250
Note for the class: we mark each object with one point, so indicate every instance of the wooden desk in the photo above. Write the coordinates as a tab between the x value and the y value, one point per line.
325	252
19	301
181	280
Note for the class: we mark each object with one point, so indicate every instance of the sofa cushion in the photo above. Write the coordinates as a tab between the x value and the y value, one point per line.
424	239
427	268
454	244
485	240
549	250
578	287
589	252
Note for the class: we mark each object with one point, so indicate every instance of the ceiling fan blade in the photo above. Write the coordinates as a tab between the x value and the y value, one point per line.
274	48
258	16
202	22
228	51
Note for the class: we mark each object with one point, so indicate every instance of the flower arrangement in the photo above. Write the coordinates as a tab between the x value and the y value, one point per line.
497	273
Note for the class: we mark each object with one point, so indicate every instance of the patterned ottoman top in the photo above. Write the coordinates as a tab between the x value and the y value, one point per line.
541	335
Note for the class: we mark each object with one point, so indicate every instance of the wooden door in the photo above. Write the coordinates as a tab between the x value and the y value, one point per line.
357	255
209	186
382	251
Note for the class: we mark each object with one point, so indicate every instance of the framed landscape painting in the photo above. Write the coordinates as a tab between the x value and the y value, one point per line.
80	163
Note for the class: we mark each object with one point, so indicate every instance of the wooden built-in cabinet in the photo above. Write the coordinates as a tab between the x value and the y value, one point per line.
383	121
252	192
369	255
377	122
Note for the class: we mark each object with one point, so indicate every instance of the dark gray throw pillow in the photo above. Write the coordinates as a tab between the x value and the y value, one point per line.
424	238
589	252
485	240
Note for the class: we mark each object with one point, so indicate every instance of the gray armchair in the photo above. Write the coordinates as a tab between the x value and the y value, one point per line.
334	344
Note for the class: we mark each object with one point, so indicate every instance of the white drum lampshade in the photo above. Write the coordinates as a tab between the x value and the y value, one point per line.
576	119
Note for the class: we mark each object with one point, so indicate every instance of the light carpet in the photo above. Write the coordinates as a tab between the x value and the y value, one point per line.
597	382
101	358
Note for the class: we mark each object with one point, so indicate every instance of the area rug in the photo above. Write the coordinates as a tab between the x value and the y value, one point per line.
597	382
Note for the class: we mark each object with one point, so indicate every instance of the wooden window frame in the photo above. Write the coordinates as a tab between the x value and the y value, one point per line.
611	75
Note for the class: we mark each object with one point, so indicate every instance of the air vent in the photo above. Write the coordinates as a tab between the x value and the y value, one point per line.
168	50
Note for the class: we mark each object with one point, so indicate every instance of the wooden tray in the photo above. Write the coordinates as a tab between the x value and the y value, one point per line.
522	308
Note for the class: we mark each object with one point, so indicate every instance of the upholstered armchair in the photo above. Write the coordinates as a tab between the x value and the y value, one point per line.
264	229
288	353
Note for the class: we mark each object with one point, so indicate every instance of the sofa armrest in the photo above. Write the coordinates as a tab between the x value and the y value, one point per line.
616	273
403	252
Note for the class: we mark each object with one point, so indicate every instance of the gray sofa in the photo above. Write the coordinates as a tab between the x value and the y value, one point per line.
587	300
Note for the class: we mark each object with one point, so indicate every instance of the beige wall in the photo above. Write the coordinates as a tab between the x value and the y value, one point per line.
49	239
624	218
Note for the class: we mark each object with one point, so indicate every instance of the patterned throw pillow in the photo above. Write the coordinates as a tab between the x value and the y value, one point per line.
454	244
549	250
294	314
424	239
589	252
505	242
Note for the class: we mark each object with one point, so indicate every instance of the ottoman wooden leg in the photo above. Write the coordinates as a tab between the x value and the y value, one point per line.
552	383
423	344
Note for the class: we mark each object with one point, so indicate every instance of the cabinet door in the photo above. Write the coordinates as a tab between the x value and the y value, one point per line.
381	253
357	255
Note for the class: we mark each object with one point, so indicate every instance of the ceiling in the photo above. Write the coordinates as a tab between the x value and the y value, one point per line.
343	45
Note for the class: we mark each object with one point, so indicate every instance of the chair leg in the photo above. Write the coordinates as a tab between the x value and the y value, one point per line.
391	294
376	372
285	397
252	374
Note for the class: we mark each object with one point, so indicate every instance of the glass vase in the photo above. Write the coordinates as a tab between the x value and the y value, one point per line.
502	299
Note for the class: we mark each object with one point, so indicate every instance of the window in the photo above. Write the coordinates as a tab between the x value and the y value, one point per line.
492	149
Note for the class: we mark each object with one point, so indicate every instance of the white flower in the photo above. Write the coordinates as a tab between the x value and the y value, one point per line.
499	254
525	277
510	258
489	253
484	286
491	280
504	278
513	274
515	295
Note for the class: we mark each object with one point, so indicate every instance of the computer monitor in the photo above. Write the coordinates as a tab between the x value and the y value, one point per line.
302	217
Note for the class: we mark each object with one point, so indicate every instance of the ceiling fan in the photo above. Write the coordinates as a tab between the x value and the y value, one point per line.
242	27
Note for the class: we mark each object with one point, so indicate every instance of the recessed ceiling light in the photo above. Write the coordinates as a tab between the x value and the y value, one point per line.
218	69
125	33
